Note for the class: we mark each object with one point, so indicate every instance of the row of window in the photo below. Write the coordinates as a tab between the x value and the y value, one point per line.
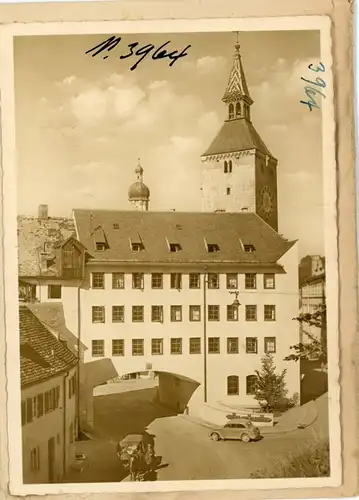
37	406
310	308
41	404
137	244
176	345
194	281
314	290
157	313
233	385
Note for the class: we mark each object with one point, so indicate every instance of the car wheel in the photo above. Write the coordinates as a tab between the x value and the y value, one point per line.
245	438
215	436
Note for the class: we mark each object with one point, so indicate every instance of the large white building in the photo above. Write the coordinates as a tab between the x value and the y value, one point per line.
159	291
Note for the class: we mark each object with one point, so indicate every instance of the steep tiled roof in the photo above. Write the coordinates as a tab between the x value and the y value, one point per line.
237	87
36	236
235	136
51	314
190	230
42	355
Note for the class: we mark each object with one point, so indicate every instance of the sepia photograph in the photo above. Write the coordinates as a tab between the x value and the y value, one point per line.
173	222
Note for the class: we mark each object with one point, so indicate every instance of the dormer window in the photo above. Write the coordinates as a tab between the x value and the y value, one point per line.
136	243
212	247
175	247
249	248
116	226
101	243
231	111
137	247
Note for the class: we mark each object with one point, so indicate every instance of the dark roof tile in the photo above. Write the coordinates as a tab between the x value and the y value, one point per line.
37	342
51	314
225	229
235	136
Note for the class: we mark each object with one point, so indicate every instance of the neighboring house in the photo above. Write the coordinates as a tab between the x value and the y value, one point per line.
312	295
312	299
48	401
40	279
62	271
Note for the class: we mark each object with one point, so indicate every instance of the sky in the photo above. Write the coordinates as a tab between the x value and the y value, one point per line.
82	122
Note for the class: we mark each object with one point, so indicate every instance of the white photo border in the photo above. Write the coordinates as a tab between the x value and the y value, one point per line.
7	34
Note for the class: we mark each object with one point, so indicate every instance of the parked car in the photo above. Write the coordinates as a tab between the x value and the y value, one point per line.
239	428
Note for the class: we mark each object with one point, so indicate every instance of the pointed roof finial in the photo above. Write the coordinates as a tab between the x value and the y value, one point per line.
237	88
139	169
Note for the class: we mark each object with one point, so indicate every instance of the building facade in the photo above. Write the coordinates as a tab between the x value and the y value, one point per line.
48	402
160	296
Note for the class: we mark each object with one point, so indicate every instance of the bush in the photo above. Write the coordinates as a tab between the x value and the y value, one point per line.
313	461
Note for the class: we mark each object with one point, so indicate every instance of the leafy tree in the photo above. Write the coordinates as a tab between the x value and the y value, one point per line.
316	348
269	388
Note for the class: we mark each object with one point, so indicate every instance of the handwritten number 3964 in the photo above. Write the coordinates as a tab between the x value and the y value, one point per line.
161	52
313	89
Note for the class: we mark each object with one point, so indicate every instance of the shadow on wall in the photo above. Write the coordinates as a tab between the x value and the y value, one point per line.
314	381
176	392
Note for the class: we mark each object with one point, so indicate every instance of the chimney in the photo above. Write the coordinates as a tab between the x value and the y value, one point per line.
43	212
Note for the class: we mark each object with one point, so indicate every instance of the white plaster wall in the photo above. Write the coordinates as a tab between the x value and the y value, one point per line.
219	366
39	431
241	183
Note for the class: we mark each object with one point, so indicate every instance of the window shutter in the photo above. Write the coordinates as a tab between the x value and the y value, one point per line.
29	410
40	405
53	398
46	402
57	396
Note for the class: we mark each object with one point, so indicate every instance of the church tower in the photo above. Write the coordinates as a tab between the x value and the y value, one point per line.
239	172
139	194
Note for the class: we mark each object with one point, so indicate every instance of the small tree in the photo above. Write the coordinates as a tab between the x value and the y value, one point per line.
270	388
315	348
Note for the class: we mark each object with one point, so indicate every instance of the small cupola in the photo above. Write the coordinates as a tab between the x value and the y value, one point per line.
138	193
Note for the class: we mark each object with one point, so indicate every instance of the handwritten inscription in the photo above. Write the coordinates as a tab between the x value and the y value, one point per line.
314	88
134	49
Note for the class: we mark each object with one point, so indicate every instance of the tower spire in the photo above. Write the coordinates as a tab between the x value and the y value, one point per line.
237	95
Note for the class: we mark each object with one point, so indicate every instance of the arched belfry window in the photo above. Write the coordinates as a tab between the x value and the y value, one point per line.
230	166
238	109
232	385
231	111
225	167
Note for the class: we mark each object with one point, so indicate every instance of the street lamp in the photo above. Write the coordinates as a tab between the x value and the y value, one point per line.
235	304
